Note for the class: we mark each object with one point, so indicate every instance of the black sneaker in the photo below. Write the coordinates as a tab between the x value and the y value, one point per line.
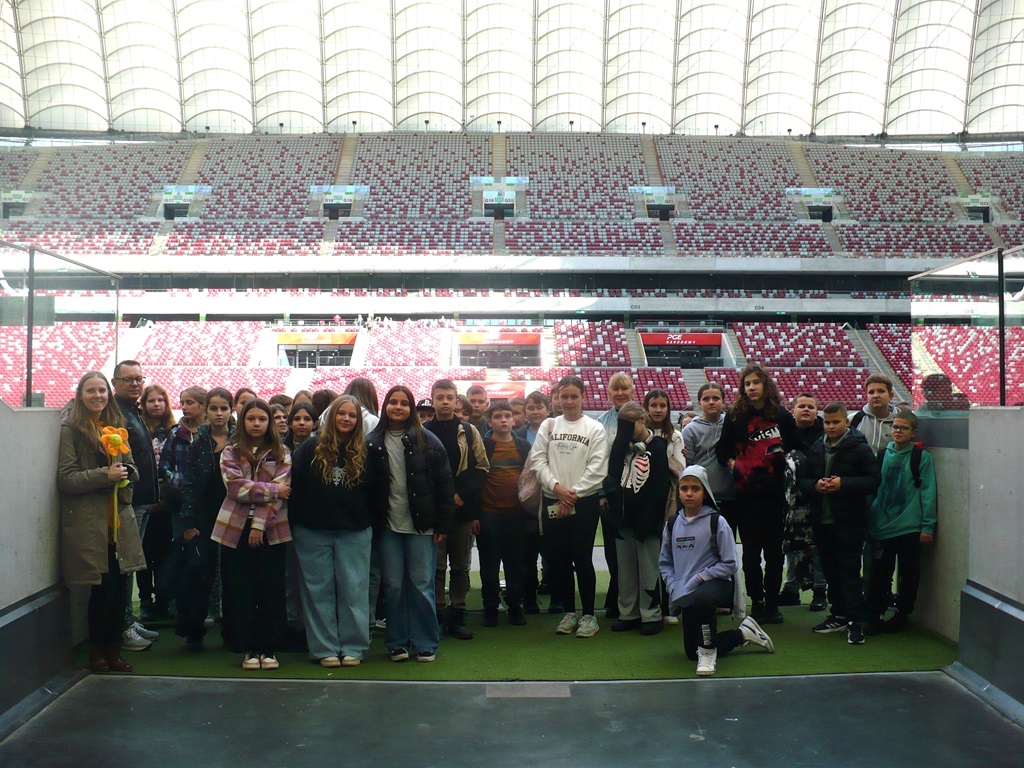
399	654
531	607
831	624
757	611
516	617
895	624
625	625
789	597
772	615
854	636
490	617
819	602
425	657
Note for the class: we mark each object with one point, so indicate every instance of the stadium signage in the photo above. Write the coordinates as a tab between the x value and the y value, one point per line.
499	339
16	196
681	339
502	390
340	338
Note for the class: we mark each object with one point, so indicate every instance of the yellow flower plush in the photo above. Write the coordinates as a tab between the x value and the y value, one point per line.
115	441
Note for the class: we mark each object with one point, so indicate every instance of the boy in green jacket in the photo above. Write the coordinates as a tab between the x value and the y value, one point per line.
901	520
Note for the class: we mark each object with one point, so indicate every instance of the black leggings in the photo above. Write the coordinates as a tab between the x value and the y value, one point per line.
700	618
107	603
569	546
762	525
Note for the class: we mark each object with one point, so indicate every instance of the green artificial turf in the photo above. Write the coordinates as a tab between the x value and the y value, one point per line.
535	652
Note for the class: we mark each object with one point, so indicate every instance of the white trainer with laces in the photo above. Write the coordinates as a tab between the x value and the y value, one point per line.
707	661
568	624
145	634
587	627
752	633
132	641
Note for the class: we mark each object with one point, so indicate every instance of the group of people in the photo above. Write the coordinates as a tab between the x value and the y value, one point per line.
334	515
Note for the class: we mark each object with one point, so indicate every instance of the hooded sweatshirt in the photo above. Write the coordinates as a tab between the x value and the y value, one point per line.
700	437
877	431
688	555
900	507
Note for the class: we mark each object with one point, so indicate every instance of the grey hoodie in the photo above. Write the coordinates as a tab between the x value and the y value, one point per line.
877	431
688	557
700	437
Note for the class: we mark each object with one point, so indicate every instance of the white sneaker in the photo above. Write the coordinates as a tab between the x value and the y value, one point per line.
250	661
752	633
350	661
330	662
145	634
707	660
269	662
588	627
671	620
568	624
132	641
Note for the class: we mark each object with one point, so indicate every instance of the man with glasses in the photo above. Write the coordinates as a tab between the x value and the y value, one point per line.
128	382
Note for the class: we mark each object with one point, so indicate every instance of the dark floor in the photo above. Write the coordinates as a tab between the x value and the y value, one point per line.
916	719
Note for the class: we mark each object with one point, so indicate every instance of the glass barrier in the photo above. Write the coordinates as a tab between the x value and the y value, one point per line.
968	333
59	320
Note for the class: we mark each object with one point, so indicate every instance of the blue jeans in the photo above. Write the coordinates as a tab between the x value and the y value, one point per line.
334	578
407	565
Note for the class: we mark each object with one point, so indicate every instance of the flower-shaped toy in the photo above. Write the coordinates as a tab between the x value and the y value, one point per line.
115	441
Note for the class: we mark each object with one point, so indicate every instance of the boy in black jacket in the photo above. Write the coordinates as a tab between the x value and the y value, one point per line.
839	476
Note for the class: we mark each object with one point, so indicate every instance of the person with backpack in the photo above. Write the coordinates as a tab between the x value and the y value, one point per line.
874	420
698	563
901	521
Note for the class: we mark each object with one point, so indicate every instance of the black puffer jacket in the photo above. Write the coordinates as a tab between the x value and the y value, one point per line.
856	467
428	478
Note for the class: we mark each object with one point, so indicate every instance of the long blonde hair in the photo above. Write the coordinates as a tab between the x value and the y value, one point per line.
330	442
81	421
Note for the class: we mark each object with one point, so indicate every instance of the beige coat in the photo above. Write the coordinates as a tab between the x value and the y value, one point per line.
84	502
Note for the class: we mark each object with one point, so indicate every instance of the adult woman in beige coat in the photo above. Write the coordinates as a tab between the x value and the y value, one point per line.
98	547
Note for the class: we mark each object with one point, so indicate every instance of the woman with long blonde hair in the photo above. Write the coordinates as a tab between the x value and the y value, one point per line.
332	521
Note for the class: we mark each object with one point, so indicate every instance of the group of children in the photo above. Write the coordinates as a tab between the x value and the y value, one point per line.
395	502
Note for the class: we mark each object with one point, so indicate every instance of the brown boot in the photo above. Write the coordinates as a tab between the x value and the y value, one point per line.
112	654
96	661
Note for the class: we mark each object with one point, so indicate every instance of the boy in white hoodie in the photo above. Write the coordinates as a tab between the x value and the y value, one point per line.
698	562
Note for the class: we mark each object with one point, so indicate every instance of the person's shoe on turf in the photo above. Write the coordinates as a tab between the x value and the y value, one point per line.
831	624
587	627
707	661
568	624
625	625
752	633
789	596
819	602
896	624
854	636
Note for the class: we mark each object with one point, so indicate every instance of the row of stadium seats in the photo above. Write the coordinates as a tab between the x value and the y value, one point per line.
572	176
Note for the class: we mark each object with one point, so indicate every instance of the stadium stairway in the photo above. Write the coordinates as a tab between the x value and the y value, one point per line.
36	170
359	350
963	186
803	167
694	379
195	162
876	361
548	356
636	349
732	353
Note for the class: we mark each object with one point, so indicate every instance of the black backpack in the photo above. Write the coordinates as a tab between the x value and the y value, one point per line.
915	462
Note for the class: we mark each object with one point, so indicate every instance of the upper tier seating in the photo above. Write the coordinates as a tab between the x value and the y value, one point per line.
1012	234
997	173
893	340
823	345
952	241
595	381
577	175
83	239
418	379
420	175
969	355
245	238
405	237
583	343
404	343
885	184
190	343
761	239
826	384
730	179
583	238
110	182
61	353
267	176
14	164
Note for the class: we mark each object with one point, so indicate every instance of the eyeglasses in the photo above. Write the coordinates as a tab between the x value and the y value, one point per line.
132	379
902	429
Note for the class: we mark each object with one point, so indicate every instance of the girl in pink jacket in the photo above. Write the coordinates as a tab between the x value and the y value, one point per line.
252	522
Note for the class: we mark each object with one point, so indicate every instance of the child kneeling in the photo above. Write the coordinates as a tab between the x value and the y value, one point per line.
698	563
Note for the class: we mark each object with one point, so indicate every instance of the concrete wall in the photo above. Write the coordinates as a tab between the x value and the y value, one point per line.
992	601
35	610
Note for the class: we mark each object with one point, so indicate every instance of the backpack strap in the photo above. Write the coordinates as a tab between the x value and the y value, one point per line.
915	464
714	516
858	417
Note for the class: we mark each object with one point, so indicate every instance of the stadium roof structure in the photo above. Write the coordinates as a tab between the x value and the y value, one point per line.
751	67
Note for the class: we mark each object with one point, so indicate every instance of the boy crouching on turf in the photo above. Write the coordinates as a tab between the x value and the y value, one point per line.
698	563
839	476
901	520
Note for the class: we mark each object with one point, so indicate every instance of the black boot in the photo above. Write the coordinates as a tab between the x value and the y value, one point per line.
819	601
457	625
